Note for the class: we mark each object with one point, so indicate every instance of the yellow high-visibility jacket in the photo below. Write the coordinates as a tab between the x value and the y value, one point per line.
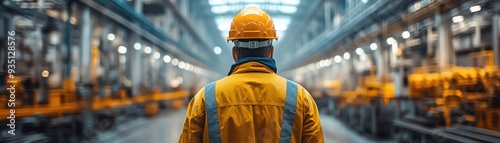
252	105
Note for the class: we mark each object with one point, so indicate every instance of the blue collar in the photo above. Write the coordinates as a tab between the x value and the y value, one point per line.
270	63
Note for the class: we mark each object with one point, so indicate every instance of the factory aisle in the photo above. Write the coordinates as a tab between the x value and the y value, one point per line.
166	128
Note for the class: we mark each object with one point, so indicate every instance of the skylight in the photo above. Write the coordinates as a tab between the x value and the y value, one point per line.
230	2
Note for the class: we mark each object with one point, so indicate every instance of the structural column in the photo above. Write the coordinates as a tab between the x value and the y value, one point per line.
328	17
445	52
106	49
138	6
496	38
429	43
381	56
135	64
353	77
85	83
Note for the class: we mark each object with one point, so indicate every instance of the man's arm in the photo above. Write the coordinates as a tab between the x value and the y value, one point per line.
194	123
312	131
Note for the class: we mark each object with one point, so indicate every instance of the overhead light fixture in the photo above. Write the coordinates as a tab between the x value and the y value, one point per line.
405	35
45	73
337	59
217	50
156	55
373	46
147	50
390	40
111	36
359	51
166	59
122	49
328	62
323	63
175	62
347	56
312	67
457	19
318	65
137	46
364	1
182	65
475	8
188	66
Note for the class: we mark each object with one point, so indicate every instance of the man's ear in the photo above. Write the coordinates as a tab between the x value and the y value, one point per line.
271	51
235	56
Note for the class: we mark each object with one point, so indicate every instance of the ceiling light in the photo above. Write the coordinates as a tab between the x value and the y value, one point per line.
405	35
457	19
166	59
337	59
147	50
347	55
475	8
156	55
373	46
182	65
188	66
217	50
390	40
122	49
359	51
137	46
322	63
175	62
312	67
328	62
45	73
111	36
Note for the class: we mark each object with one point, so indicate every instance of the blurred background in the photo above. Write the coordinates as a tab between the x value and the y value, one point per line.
123	70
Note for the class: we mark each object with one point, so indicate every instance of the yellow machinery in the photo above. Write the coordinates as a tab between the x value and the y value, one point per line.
368	88
333	88
64	101
463	94
488	107
367	107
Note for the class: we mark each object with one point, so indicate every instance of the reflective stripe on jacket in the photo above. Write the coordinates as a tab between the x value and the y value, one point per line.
251	105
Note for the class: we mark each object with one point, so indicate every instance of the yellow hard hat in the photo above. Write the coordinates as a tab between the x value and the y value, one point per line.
252	23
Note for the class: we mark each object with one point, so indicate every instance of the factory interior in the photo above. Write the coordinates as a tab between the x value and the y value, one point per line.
124	71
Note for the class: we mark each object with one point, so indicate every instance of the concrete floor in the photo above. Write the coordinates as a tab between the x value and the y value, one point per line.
165	128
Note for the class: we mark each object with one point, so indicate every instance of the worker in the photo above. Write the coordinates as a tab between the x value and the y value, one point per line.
252	104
